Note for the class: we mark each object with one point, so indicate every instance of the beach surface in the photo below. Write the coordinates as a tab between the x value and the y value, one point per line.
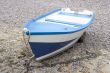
90	56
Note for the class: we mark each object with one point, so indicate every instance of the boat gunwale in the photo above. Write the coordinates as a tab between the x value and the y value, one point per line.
56	33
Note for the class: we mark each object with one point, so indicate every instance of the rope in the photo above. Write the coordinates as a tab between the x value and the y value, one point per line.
27	45
26	42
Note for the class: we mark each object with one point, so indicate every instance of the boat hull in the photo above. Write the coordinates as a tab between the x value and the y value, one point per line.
44	46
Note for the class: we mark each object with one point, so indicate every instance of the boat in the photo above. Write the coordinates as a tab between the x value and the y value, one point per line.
56	31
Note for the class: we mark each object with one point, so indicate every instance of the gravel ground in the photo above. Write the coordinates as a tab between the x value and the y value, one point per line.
91	56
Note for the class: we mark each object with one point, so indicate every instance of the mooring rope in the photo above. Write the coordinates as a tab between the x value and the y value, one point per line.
27	45
26	42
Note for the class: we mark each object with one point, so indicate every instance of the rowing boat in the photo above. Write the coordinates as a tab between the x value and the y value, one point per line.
56	31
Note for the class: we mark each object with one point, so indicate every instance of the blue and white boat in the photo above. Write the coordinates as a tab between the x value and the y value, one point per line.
56	31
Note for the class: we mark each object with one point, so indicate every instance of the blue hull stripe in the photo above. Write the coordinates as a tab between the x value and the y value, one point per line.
41	49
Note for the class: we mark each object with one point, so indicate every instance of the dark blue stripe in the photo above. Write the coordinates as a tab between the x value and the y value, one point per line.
41	49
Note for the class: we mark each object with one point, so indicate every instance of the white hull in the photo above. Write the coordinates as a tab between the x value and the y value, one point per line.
56	38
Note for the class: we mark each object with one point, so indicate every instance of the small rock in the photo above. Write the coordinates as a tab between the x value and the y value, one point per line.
1	60
2	50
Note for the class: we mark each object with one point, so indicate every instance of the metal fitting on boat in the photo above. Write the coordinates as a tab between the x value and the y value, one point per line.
25	30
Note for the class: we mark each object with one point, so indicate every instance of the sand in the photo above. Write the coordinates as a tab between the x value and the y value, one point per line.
90	56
